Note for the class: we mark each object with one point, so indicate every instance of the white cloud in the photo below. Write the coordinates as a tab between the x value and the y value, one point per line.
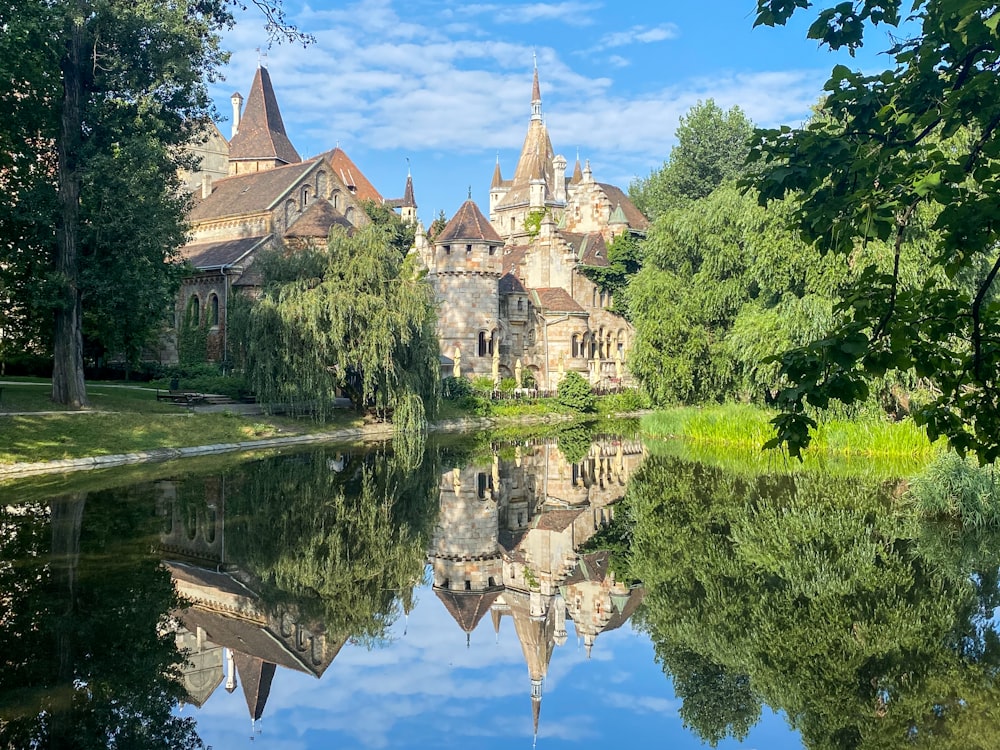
639	35
571	12
618	61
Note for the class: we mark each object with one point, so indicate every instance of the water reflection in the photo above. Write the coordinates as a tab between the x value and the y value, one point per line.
811	594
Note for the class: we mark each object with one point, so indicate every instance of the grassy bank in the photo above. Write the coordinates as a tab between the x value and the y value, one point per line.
123	420
733	436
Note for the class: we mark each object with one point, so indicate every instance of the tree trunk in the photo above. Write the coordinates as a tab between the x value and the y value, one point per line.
67	372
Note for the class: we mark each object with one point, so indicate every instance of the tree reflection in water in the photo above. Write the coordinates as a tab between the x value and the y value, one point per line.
88	660
813	595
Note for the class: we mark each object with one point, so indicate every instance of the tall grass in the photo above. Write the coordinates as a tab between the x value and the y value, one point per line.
957	489
734	435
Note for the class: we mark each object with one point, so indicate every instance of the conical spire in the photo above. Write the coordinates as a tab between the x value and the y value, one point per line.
577	172
497	177
536	97
408	200
261	135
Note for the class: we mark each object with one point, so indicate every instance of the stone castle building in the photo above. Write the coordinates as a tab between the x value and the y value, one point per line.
513	297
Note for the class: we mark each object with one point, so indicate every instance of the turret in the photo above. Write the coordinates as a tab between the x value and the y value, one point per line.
237	101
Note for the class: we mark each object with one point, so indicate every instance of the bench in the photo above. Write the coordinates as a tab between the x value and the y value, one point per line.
192	398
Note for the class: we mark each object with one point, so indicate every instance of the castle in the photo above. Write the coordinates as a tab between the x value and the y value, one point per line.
512	296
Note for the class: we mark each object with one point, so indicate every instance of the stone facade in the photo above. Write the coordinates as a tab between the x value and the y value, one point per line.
513	301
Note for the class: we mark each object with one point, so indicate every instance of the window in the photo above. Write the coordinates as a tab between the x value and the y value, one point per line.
213	309
193	317
447	249
577	349
520	304
321	184
306	195
484	344
349	214
492	249
468	249
335	199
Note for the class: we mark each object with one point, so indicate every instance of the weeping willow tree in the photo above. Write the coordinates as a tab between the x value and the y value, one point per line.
355	318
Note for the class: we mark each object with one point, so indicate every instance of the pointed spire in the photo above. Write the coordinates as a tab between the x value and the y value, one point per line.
536	97
577	172
408	200
261	135
497	178
536	706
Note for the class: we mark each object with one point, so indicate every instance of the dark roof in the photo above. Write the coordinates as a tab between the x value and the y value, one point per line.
497	177
248	193
409	201
577	173
261	133
317	220
255	676
624	611
592	566
513	255
352	177
468	223
556	520
510	284
590	248
618	197
467	607
556	299
205	255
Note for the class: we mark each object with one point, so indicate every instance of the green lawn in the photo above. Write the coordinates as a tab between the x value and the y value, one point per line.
124	420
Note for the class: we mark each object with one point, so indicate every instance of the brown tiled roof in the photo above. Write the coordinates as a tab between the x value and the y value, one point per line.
618	197
409	201
556	299
261	133
590	248
592	566
467	608
513	255
497	178
317	220
248	193
468	223
352	177
556	520
510	284
535	163
205	255
577	173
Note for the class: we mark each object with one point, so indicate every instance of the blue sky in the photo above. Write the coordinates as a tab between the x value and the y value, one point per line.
447	84
425	689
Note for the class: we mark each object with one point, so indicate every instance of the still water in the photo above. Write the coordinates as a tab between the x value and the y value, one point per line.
573	591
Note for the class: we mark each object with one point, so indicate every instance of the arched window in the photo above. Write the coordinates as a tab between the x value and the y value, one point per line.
577	349
193	317
321	184
593	298
484	344
306	195
335	199
213	309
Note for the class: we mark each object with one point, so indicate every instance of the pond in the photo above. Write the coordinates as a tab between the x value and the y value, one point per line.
567	591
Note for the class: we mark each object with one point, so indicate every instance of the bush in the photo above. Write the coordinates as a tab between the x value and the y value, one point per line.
574	393
454	389
625	401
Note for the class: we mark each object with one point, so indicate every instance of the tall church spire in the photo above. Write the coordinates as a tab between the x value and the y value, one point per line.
536	97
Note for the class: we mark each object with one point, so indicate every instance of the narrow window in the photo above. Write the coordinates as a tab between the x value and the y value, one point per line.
484	345
213	309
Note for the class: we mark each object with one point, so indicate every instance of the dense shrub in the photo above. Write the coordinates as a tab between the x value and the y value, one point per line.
574	393
454	389
625	401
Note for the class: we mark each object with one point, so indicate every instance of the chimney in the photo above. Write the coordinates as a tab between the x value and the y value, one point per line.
206	185
237	100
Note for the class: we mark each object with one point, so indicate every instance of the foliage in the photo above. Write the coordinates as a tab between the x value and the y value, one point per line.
805	593
957	489
437	226
711	148
575	441
401	234
624	261
453	388
89	658
885	153
355	318
533	222
574	393
344	543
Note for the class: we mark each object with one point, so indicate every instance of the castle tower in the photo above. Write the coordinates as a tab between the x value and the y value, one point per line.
260	141
533	187
466	556
464	269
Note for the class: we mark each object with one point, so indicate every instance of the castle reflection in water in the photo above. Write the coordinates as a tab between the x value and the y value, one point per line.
507	543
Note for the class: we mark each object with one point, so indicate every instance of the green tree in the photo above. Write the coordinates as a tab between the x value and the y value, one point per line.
356	317
921	136
574	393
712	147
624	261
